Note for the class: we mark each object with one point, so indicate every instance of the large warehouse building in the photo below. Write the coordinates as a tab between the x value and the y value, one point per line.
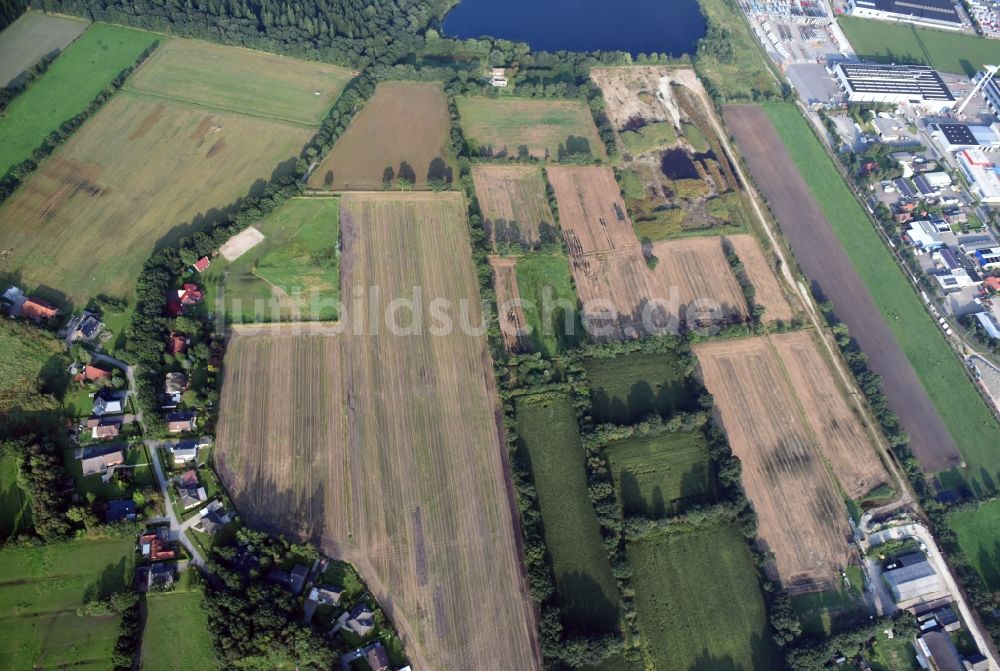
914	580
934	13
894	84
990	92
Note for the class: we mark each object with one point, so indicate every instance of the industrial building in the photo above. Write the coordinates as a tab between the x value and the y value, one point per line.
914	579
894	84
990	92
982	173
934	13
955	136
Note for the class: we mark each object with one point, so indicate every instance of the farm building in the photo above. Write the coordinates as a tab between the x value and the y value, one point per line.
983	174
914	579
202	264
894	84
37	310
935	650
97	460
939	14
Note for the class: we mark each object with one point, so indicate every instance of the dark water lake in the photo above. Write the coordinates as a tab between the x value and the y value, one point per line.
637	26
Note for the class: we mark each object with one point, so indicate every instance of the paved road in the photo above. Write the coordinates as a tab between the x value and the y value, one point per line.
923	534
177	528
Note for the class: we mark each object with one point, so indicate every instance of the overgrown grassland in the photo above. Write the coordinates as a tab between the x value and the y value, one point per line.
978	532
550	441
960	407
292	275
658	475
40	590
15	504
649	137
626	389
886	42
30	362
173	618
543	126
743	75
544	278
699	602
70	84
823	613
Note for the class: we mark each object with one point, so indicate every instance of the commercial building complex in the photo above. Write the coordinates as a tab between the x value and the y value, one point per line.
934	13
894	84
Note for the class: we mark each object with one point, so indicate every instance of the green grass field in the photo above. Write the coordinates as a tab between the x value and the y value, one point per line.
242	80
70	84
542	126
960	407
31	363
550	441
40	590
541	274
292	275
658	475
699	602
649	137
744	74
978	534
886	42
823	613
15	504
173	619
626	389
896	654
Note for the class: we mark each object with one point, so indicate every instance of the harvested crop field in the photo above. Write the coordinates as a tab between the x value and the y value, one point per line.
32	36
409	453
824	260
697	272
591	211
767	291
138	174
802	519
241	80
548	130
513	204
402	132
511	314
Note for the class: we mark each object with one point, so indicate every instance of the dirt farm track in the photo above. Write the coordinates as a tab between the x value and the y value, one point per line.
385	447
828	267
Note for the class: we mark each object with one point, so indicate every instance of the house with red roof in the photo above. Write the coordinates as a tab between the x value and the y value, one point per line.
189	294
92	374
37	310
201	265
992	283
153	546
177	344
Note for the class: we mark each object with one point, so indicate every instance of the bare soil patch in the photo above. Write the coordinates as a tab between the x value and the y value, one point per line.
513	204
767	291
802	519
401	132
832	273
241	243
422	506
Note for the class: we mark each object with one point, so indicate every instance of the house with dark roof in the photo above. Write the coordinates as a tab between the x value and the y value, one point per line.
292	581
159	576
179	422
109	401
118	510
212	518
377	657
85	327
936	651
191	493
360	620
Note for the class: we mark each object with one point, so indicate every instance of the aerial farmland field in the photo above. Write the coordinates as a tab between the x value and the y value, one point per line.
626	389
241	80
765	283
43	587
513	204
292	275
400	133
32	36
699	602
696	268
176	616
802	518
550	442
69	85
389	477
545	129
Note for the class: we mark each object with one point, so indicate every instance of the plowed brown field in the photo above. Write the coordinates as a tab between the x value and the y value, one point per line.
513	204
414	492
766	288
802	519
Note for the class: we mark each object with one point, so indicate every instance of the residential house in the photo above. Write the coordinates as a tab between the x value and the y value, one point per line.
179	422
988	258
174	385
184	451
320	595
187	295
190	491
212	518
97	460
160	576
118	510
109	401
992	284
153	545
947	619
177	344
91	373
85	327
11	300
292	581
377	657
37	310
106	430
359	620
498	77
201	265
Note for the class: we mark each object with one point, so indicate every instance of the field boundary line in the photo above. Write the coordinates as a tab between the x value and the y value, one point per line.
141	92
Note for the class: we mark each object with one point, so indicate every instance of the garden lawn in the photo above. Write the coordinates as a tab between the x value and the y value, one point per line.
962	409
958	53
699	602
15	504
40	590
175	618
626	389
978	532
292	275
550	442
82	71
543	278
659	475
823	613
